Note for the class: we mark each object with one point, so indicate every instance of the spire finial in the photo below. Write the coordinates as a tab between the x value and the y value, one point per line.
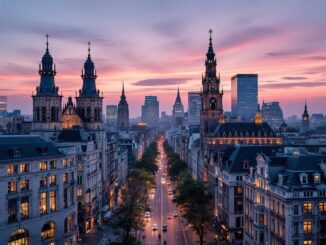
123	88
210	36
89	49
47	42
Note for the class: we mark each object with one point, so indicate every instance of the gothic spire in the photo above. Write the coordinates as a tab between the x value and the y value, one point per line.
178	98
305	113
210	62
123	96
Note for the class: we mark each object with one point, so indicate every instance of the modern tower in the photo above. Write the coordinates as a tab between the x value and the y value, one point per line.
194	105
211	98
47	103
244	96
178	111
123	111
150	111
112	115
89	101
305	118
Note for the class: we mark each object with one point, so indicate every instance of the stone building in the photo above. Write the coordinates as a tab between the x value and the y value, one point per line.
123	112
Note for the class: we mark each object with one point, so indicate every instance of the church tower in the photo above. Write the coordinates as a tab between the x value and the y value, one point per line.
123	111
47	103
178	111
305	118
90	102
211	98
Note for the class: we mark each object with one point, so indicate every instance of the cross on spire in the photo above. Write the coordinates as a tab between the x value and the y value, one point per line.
210	31
47	42
89	49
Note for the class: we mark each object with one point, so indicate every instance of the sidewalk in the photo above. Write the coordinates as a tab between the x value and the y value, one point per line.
100	237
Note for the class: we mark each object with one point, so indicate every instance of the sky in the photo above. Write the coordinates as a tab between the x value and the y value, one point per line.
155	46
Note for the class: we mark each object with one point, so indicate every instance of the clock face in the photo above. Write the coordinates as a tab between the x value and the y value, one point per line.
213	100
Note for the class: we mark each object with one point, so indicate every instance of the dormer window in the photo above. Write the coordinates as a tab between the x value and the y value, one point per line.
17	153
317	178
245	165
304	179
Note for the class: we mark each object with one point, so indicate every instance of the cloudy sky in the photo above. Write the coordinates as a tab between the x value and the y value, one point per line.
154	46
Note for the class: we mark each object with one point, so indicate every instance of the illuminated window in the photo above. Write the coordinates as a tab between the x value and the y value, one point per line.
53	201
307	242
307	226
80	192
19	237
317	178
239	190
43	182
12	169
322	206
12	186
68	224
43	166
43	203
65	178
24	208
24	185
307	208
65	162
53	180
48	231
88	197
80	167
24	168
53	164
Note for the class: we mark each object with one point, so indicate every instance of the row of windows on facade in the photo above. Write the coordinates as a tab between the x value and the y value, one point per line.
47	202
44	165
41	114
48	232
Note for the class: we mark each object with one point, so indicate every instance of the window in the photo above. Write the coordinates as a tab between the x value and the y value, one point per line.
24	168
238	190
24	208
245	165
24	185
12	169
322	206
65	178
238	201
304	179
19	237
307	208
43	198
43	166
12	186
12	210
48	231
80	167
65	198
53	201
43	182
68	224
317	178
72	199
65	162
17	153
307	226
53	164
79	180
80	192
296	228
238	222
307	242
53	180
88	197
261	219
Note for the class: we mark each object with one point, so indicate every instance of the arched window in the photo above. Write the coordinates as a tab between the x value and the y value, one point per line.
43	114
88	113
68	223
20	237
57	116
213	103
48	231
37	114
95	114
53	112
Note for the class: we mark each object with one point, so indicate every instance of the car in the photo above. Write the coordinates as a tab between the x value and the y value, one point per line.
169	216
147	214
164	227
154	227
152	191
175	214
170	192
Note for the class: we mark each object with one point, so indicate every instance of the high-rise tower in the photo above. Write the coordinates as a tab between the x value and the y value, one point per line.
211	98
305	118
89	101
47	103
123	111
178	111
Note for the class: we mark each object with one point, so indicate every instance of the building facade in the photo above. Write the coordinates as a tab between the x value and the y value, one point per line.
305	119
178	111
112	115
272	113
194	105
244	96
150	111
123	112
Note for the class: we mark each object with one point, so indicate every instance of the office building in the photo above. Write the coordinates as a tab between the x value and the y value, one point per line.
3	105
244	96
112	115
194	104
272	114
150	111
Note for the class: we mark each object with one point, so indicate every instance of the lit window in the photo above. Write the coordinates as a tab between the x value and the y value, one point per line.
12	169
53	180
80	167
24	168
43	182
307	208
322	206
20	236
79	192
65	162
12	186
307	242
43	166
24	208
307	226
53	201
88	197
24	185
53	164
65	178
239	190
48	231
43	203
317	178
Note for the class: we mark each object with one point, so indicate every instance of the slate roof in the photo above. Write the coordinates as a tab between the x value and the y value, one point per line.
29	147
70	135
243	129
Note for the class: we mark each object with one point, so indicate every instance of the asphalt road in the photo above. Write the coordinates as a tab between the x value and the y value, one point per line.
161	203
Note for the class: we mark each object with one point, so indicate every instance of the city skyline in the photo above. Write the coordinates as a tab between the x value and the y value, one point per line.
152	53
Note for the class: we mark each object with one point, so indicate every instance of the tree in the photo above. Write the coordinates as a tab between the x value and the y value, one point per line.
175	164
197	204
147	161
129	216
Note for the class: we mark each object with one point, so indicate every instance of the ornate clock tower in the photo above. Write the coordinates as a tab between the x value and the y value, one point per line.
211	112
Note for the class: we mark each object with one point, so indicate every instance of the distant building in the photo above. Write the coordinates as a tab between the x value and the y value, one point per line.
317	120
112	115
272	114
150	111
244	96
3	105
123	112
178	111
305	119
194	105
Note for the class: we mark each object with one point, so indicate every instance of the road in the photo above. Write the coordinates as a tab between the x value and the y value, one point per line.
162	206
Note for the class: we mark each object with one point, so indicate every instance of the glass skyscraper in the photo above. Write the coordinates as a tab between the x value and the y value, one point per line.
194	105
244	96
150	111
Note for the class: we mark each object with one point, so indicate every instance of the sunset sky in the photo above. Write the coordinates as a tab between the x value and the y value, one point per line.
154	46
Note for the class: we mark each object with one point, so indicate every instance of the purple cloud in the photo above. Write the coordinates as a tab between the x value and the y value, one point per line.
161	82
293	84
294	78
